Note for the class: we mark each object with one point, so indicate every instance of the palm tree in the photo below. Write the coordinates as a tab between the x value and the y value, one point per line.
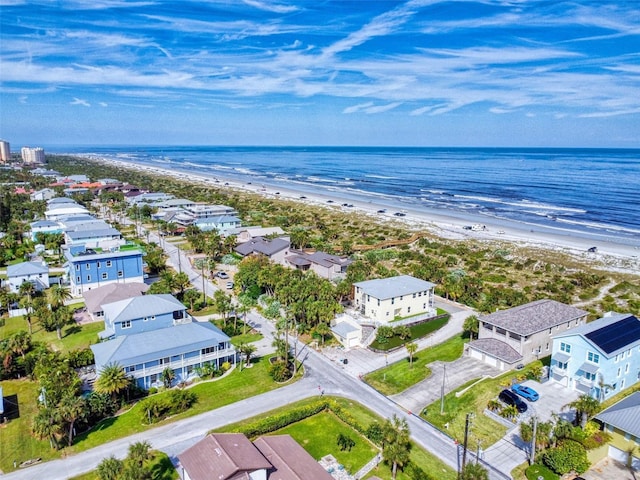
110	468
471	325
412	347
586	407
602	387
168	376
61	316
112	380
58	295
71	409
474	471
139	452
323	330
46	424
20	342
247	350
396	446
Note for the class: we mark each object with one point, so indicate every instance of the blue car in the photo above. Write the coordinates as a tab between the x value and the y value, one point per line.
525	392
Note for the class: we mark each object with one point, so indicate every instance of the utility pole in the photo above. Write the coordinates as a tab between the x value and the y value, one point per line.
204	290
444	374
467	422
533	441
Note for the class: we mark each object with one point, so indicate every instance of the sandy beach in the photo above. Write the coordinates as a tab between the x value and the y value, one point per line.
610	254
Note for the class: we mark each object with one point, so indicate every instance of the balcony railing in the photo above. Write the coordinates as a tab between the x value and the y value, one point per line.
177	365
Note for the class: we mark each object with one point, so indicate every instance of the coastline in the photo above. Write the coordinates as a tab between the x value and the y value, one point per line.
611	254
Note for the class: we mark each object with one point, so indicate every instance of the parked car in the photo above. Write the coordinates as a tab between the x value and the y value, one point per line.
510	398
525	392
222	275
229	285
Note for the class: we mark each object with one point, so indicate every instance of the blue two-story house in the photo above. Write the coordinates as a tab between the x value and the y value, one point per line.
89	268
600	358
150	333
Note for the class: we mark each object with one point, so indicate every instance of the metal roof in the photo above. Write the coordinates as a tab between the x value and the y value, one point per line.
561	357
392	287
534	317
165	342
139	307
26	268
589	367
602	326
624	415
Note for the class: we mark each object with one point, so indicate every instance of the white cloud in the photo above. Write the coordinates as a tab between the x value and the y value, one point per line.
80	101
271	7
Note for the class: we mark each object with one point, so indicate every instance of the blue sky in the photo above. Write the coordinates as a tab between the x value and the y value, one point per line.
260	72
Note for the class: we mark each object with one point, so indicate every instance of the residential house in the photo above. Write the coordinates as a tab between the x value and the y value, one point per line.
622	421
34	272
276	250
232	456
94	299
222	224
151	198
101	235
44	194
323	264
600	358
347	331
55	211
45	226
385	299
522	334
89	268
151	333
201	210
244	234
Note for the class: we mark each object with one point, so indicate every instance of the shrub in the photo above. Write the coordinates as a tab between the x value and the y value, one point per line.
159	407
566	457
279	371
80	358
225	367
375	433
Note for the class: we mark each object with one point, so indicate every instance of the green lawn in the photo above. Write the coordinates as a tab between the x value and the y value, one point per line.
16	441
318	435
160	465
417	331
425	460
74	337
474	401
236	386
401	375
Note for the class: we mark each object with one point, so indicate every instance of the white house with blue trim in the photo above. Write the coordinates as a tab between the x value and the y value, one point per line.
600	358
34	272
222	224
89	268
153	332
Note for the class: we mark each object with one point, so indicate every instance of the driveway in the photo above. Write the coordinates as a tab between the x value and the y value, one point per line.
609	469
455	374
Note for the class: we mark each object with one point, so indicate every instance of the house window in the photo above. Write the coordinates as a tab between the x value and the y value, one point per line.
593	357
165	361
590	376
562	366
626	368
622	384
120	274
616	359
108	263
78	280
408	309
105	275
378	302
414	295
131	368
88	278
98	264
77	267
393	300
424	306
623	354
87	266
207	350
126	324
547	346
565	347
419	294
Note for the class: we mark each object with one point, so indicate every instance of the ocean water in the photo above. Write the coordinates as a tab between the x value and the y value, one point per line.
592	192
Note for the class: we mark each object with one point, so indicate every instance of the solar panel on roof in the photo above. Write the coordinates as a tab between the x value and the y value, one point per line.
615	336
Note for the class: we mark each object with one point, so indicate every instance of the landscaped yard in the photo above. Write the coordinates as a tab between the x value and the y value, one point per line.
474	401
160	466
74	337
401	375
365	417
417	331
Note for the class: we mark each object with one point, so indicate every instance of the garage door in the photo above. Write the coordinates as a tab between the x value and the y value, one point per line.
473	353
621	456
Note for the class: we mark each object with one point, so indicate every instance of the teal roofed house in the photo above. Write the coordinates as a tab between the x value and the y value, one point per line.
150	333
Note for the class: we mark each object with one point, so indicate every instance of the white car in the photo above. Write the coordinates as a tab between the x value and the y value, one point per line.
229	285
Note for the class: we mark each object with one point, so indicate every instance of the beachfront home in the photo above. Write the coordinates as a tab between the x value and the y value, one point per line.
386	299
276	249
114	292
152	198
232	456
622	421
522	334
244	234
322	264
88	268
600	358
34	272
221	224
201	210
151	333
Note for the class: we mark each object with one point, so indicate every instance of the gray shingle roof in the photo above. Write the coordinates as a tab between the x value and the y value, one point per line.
112	293
26	268
384	288
263	246
624	415
533	317
164	342
496	348
138	307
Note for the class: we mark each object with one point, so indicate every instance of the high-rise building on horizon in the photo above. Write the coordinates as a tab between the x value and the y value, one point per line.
5	151
32	155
